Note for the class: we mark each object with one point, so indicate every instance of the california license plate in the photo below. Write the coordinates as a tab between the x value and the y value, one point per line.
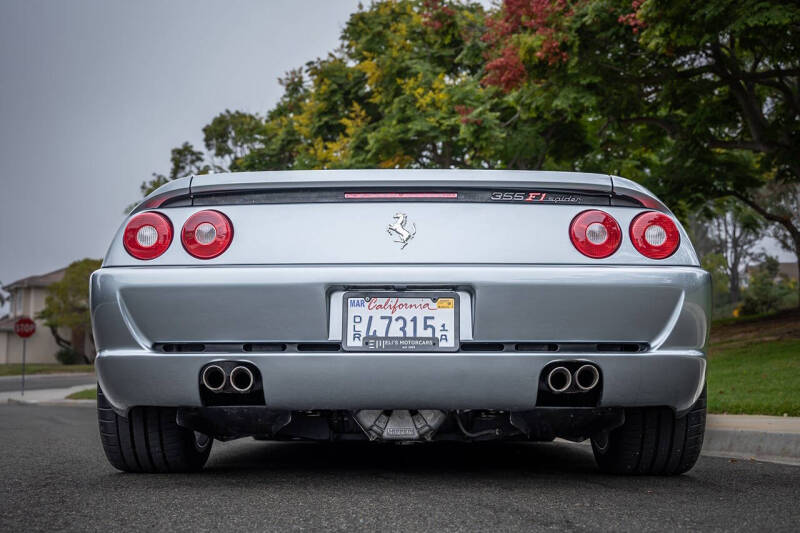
416	322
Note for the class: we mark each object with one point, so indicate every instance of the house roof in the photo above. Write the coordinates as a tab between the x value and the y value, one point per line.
42	280
788	269
7	323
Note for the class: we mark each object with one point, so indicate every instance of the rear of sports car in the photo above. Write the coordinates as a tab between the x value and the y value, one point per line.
401	306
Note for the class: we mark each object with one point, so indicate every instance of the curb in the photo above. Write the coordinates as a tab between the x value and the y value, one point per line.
71	403
760	437
46	396
17	377
759	445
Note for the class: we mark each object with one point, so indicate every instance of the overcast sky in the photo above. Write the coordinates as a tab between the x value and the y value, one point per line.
94	94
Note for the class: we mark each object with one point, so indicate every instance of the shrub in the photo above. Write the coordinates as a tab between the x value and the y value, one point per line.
766	292
68	356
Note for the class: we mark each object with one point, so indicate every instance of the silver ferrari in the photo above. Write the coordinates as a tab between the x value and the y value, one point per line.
401	305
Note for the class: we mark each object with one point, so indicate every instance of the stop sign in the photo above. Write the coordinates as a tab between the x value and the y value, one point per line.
24	327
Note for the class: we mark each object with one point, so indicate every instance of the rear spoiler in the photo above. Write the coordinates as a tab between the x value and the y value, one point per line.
332	185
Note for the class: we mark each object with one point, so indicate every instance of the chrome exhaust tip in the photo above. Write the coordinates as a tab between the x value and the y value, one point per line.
242	379
587	377
559	379
213	378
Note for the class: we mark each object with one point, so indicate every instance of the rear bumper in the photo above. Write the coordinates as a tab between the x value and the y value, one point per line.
665	308
295	381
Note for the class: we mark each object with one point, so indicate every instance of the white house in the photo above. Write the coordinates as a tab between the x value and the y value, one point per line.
28	299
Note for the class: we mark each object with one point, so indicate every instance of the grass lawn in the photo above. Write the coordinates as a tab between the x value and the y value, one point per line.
755	377
88	394
15	369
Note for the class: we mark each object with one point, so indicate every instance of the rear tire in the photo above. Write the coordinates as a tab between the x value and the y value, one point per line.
653	441
149	440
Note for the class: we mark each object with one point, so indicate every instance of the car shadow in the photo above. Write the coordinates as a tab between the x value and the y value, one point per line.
368	469
437	458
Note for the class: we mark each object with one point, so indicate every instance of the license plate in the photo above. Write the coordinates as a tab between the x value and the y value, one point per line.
397	322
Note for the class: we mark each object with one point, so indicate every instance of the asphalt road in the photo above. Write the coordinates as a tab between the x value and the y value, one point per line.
45	381
55	477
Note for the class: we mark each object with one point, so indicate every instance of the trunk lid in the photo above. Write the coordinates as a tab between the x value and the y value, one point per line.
401	217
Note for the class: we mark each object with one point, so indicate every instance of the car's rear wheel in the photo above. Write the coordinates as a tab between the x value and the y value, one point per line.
653	441
150	440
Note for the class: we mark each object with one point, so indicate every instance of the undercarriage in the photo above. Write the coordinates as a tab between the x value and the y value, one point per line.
401	425
232	393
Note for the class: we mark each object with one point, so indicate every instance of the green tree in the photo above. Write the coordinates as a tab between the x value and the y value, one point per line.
230	136
67	305
184	160
736	230
766	290
717	266
404	90
785	203
697	100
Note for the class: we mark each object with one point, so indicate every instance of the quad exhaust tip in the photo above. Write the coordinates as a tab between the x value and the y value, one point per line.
213	378
559	379
587	377
242	379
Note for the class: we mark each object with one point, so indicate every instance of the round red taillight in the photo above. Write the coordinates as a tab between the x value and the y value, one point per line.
655	235
147	235
595	233
207	234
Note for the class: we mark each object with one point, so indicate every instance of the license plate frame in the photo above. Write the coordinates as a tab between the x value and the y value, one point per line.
408	347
